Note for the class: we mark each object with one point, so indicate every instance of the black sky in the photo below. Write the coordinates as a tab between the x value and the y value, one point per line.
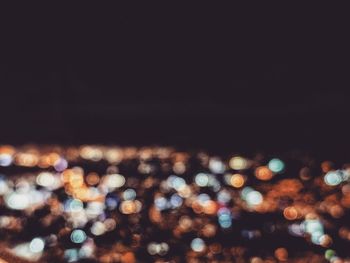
219	77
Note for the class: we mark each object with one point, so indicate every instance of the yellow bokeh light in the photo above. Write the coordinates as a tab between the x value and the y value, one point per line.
237	180
238	163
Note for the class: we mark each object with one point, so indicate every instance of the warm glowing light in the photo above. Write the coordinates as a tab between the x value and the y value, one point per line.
45	179
210	207
290	213
263	173
326	166
92	179
114	181
91	153
281	254
114	156
26	159
238	163
130	207
325	241
17	201
98	228
237	180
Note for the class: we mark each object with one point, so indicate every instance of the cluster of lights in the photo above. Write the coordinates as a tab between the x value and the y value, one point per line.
205	204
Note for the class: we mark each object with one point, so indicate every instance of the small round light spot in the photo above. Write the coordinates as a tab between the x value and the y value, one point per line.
237	180
238	163
263	173
37	245
98	228
276	165
202	179
254	198
78	236
197	245
333	178
129	194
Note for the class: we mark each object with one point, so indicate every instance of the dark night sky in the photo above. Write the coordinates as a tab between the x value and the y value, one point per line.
218	77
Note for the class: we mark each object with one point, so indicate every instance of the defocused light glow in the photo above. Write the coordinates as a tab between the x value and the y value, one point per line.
45	179
161	203
98	228
23	251
92	179
290	213
175	200
87	250
114	156
245	192
17	201
254	198
281	254
179	167
163	248
209	230
333	178
209	207
178	183
202	179
94	209
326	166
276	165
216	165
110	224
91	153
224	217
224	196
315	229
238	163
130	207
74	205
237	180
37	245
296	230
152	248
263	173
129	194
60	165
76	180
325	240
26	159
114	180
5	159
71	255
111	202
329	254
198	245
78	236
160	249
4	187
